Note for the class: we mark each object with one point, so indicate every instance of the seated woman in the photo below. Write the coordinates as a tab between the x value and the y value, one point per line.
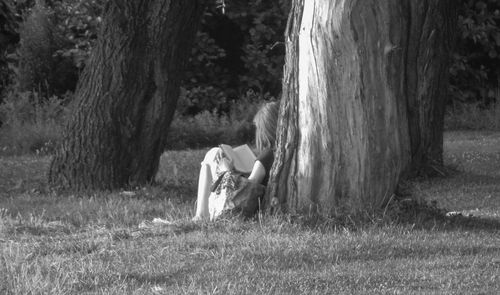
215	163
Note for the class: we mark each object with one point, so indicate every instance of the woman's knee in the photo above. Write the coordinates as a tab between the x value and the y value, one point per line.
211	156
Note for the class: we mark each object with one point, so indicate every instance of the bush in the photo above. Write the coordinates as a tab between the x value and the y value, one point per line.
473	116
56	40
9	36
235	52
264	47
40	69
201	98
208	129
32	124
79	21
475	71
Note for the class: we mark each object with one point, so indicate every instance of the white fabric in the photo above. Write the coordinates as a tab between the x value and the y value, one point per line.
216	160
217	163
211	160
217	204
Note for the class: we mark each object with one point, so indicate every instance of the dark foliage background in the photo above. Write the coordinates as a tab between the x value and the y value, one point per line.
475	71
238	53
236	64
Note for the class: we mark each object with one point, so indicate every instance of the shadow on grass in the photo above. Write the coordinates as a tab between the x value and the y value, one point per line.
409	213
471	223
468	178
132	277
426	215
155	279
166	279
419	207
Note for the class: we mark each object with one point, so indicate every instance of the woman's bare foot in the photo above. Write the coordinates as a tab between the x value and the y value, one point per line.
199	218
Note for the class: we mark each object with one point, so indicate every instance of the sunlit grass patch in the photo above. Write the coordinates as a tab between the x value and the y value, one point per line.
272	257
80	212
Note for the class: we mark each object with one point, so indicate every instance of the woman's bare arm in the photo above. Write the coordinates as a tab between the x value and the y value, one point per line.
258	172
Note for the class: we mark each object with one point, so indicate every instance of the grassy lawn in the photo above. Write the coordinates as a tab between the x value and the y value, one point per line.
105	243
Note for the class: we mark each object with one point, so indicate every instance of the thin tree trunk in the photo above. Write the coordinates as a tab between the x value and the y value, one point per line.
344	135
127	95
431	27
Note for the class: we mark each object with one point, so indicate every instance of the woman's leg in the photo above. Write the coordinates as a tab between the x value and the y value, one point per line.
204	184
205	179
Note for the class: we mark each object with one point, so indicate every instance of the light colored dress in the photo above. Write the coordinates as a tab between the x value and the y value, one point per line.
231	189
227	182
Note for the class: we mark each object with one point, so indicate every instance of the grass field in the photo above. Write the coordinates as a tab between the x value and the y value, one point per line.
106	243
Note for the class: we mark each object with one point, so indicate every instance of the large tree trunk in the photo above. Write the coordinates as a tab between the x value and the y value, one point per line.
359	76
127	95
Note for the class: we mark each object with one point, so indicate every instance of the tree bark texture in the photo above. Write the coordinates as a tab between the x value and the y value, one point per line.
127	95
431	27
363	96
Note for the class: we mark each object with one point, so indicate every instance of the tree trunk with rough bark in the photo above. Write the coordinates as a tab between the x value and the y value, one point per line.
127	95
363	101
432	27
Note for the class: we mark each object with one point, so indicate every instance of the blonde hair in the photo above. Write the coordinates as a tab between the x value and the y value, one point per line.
266	121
